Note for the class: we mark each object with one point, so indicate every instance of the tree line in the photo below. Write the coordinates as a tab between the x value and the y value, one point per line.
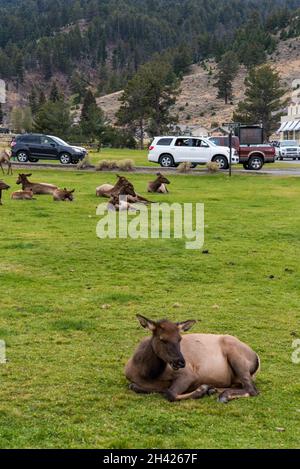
112	38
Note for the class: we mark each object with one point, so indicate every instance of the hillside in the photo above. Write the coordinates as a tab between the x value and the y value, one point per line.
100	44
197	103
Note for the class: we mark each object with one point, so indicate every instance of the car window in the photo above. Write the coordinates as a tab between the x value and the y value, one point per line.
184	142
200	143
31	139
46	140
165	141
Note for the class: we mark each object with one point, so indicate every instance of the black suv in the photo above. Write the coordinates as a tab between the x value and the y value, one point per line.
35	147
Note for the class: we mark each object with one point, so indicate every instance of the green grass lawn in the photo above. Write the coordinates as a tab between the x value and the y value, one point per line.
64	386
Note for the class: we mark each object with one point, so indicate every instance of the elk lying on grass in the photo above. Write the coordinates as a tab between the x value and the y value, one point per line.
122	186
159	185
3	187
120	204
63	195
193	365
23	195
5	157
40	188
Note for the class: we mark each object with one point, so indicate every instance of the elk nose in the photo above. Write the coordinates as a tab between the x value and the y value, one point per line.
181	363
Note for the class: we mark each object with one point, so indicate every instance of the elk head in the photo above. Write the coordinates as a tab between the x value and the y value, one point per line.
166	338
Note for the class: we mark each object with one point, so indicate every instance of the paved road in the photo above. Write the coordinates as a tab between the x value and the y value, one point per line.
267	169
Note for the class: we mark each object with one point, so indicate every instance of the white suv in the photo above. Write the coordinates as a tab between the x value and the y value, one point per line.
170	151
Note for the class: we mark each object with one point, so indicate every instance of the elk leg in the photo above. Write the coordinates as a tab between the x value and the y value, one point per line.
203	390
0	197
2	167
247	389
9	170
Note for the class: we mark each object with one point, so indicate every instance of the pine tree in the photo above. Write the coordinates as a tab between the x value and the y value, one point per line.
92	117
227	70
33	100
42	99
53	118
264	99
1	114
147	99
55	94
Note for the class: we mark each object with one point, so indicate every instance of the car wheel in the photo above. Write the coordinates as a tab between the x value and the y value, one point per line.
166	161
33	160
193	165
75	161
246	165
256	163
221	160
65	158
22	157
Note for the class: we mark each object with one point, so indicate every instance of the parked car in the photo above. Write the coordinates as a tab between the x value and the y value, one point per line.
35	147
288	149
253	157
4	130
171	151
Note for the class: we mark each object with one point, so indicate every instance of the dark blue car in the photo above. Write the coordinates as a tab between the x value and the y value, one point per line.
35	147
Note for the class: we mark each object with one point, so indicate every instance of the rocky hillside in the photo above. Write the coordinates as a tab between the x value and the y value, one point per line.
197	103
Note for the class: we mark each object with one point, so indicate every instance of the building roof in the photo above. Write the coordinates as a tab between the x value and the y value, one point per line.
289	126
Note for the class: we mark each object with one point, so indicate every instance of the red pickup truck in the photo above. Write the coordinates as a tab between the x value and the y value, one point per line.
252	156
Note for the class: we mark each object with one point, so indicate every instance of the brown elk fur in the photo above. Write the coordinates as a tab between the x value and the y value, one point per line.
41	188
3	187
159	185
63	195
5	157
23	195
193	365
122	187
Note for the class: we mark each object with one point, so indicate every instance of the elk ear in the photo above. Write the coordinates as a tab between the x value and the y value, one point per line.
146	323
71	192
28	175
186	325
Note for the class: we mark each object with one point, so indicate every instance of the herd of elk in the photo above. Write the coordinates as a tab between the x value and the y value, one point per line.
193	365
5	157
29	189
122	187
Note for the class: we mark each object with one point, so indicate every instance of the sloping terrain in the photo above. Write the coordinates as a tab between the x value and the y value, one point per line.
197	103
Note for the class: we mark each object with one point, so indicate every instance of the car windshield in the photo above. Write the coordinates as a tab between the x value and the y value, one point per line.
289	143
59	140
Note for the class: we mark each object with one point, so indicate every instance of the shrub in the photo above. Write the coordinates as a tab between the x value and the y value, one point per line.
184	167
126	165
111	165
85	163
212	167
107	165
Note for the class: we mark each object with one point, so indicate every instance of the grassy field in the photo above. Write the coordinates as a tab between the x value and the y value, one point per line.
64	386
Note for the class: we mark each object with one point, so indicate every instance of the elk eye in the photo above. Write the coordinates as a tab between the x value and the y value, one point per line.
163	340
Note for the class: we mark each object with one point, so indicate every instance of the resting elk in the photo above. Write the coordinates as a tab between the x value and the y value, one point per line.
5	157
3	187
159	185
193	365
63	195
37	187
23	195
108	190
